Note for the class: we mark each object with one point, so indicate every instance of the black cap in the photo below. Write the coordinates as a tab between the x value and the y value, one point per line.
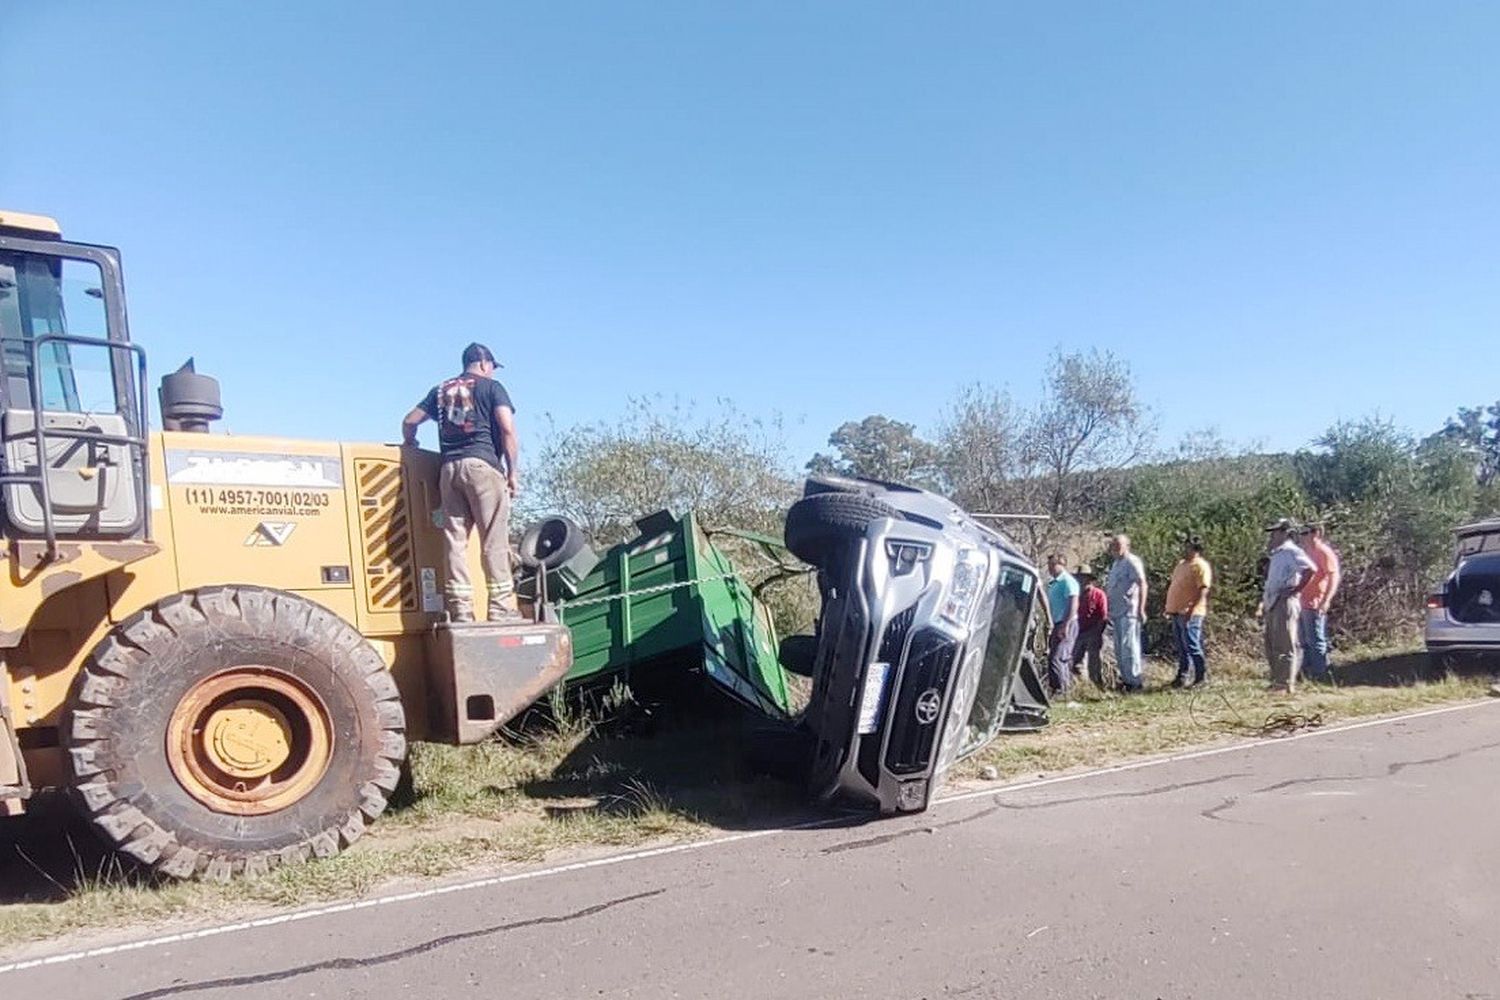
475	353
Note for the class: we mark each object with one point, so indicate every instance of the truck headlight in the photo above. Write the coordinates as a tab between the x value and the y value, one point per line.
968	583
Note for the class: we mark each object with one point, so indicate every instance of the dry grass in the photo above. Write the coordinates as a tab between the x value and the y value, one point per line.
573	785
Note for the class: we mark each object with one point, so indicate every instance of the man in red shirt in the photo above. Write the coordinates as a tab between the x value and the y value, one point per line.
1093	615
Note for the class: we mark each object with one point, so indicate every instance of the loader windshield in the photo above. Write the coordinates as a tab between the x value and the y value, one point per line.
41	296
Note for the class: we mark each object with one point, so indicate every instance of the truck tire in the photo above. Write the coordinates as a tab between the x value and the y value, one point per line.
832	484
816	523
234	729
551	542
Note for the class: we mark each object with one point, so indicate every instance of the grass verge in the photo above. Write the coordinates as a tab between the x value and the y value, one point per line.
577	786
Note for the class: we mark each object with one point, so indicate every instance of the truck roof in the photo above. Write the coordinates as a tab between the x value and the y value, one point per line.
1485	527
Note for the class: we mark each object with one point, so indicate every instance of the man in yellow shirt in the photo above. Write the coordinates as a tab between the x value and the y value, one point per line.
1187	604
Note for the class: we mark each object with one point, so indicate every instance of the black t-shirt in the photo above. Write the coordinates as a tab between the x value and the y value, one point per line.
464	408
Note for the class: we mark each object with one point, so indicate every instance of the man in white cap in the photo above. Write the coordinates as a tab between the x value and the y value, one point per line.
1280	607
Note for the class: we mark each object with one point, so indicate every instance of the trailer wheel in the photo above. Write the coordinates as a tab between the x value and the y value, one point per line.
233	729
825	519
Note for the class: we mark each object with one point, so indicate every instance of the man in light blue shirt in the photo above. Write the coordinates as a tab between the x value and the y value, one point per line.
1126	589
1062	604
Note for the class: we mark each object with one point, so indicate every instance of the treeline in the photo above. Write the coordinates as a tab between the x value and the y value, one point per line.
1086	456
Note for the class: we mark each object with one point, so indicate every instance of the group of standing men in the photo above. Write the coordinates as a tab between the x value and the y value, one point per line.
1302	576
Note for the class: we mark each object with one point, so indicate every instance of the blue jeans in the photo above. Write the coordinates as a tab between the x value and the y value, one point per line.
1313	627
1192	665
1128	648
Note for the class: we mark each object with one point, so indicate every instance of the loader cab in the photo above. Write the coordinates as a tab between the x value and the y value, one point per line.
73	456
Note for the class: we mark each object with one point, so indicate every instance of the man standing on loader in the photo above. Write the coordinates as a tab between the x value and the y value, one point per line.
478	477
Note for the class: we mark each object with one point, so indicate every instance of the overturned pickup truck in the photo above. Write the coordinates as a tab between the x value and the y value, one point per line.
923	652
925	644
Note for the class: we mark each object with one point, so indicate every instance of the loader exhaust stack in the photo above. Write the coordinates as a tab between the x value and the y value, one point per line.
189	401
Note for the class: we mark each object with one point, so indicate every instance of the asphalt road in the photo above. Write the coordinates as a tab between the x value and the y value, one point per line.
1363	864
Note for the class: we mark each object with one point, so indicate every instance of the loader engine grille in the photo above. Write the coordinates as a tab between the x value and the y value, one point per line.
385	532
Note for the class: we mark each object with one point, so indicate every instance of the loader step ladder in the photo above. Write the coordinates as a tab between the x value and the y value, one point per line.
133	406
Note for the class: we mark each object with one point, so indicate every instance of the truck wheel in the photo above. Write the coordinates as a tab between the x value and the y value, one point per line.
824	519
551	542
233	729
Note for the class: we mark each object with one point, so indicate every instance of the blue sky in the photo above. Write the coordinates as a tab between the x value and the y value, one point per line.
1279	215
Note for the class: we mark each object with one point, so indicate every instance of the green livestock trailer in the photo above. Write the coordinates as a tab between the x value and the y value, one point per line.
665	606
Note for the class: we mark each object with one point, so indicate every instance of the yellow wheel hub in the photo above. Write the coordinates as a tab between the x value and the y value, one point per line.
250	740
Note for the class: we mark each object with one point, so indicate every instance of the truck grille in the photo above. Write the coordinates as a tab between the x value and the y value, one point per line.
891	645
917	717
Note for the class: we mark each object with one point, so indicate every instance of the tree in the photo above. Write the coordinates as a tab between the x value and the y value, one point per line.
878	447
1226	501
1477	431
1089	424
731	471
1391	505
728	469
980	440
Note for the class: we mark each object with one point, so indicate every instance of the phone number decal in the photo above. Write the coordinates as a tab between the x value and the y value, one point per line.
305	503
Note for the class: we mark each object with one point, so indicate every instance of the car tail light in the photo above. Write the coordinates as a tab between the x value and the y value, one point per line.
1438	600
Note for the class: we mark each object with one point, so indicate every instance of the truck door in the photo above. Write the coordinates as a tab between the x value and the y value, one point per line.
72	413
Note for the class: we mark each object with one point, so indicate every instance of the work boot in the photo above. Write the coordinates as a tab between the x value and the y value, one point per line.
501	615
460	612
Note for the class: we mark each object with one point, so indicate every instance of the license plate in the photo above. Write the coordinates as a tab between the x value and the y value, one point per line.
873	697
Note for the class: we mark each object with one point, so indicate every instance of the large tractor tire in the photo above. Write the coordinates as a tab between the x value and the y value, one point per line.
233	729
824	520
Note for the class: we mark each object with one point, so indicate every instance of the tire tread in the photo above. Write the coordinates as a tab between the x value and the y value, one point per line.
104	687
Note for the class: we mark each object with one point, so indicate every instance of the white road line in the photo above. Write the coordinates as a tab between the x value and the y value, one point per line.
1210	752
697	845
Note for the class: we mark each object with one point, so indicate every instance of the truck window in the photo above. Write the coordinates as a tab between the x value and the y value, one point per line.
1007	637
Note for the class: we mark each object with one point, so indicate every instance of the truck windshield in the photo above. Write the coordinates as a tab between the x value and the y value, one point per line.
42	295
1009	627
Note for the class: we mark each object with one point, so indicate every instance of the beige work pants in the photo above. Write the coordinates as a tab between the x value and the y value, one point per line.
474	495
1282	650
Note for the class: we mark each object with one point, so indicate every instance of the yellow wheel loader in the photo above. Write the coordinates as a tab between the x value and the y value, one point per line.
220	645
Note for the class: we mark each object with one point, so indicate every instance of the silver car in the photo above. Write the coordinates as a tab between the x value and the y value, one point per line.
1463	615
924	643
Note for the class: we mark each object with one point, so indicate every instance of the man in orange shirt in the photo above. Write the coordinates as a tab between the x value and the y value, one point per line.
1187	604
1316	597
